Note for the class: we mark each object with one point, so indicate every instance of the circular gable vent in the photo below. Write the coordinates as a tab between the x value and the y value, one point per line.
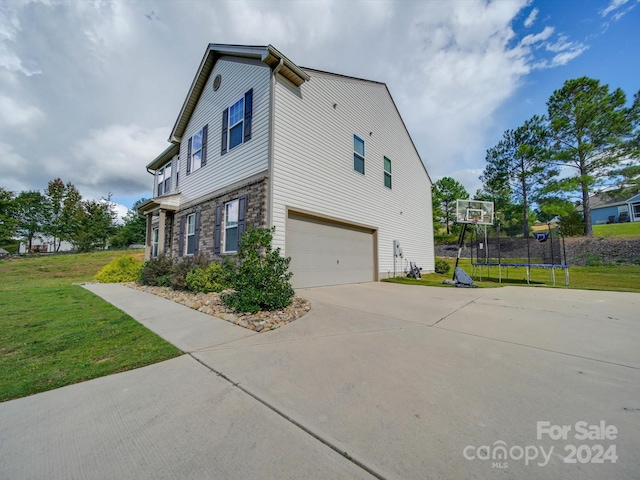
216	82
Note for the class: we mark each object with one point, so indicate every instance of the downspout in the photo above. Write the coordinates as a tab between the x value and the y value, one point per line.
272	109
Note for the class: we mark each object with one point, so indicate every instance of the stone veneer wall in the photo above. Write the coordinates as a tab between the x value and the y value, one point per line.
256	217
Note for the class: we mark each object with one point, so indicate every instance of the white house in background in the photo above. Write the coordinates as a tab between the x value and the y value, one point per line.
324	158
44	244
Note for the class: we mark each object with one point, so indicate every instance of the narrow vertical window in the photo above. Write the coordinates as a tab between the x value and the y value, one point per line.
160	182
358	154
231	226
236	123
387	172
154	246
177	172
196	151
167	178
191	234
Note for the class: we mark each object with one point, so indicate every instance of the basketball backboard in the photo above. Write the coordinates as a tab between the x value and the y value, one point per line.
474	211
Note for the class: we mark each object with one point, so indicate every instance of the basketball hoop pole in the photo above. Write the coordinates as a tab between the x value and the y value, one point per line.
460	244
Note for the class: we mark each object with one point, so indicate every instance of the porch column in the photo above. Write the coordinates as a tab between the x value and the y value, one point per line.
163	218
149	240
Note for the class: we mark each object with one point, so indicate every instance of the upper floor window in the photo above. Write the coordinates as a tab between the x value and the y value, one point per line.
197	150
358	154
160	181
236	122
387	172
177	172
167	178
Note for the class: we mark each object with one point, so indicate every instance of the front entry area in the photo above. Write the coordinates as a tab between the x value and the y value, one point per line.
325	252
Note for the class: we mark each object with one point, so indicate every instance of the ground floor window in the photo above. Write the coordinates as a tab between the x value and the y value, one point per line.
154	244
191	234
231	226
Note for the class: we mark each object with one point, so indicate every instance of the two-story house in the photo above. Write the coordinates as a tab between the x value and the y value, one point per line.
324	158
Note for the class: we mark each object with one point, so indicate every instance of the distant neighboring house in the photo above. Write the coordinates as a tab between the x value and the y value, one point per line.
634	208
324	158
3	252
605	209
44	244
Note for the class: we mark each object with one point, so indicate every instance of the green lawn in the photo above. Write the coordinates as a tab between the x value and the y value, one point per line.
53	333
617	278
619	230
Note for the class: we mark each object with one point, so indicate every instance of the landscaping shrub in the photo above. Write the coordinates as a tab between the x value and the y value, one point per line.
156	272
210	279
594	261
442	266
182	267
123	269
261	281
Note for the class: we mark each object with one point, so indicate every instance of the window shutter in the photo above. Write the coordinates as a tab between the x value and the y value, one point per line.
248	111
205	129
189	157
196	236
181	237
242	215
225	128
217	229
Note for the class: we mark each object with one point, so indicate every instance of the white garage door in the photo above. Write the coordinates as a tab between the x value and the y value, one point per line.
327	253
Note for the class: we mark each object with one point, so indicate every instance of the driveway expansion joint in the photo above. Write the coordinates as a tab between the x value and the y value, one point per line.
299	425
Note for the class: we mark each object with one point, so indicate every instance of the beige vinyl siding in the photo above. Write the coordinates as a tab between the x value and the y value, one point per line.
313	165
245	160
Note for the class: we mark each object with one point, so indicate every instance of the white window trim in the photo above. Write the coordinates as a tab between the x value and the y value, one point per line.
226	227
167	180
194	151
363	157
385	174
230	126
190	216
155	233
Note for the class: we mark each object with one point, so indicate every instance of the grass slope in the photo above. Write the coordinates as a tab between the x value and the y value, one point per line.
616	278
618	230
53	333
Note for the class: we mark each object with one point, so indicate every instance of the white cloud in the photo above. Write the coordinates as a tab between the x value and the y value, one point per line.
111	160
538	37
530	20
613	5
114	71
15	114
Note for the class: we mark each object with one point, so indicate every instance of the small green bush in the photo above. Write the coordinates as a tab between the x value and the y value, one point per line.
261	281
594	261
157	272
442	266
123	269
182	267
210	279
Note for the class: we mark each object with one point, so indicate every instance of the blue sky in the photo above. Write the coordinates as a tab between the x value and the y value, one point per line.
89	90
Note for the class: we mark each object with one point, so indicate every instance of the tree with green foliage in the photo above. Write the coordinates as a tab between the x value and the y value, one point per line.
95	224
134	229
445	193
8	220
66	205
593	133
627	180
518	165
32	213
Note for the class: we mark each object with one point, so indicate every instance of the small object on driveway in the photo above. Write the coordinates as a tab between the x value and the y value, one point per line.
462	279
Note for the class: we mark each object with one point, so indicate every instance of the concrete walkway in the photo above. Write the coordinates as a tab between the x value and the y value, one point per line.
381	380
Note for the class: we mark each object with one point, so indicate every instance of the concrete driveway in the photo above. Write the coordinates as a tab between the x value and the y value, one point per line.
380	380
